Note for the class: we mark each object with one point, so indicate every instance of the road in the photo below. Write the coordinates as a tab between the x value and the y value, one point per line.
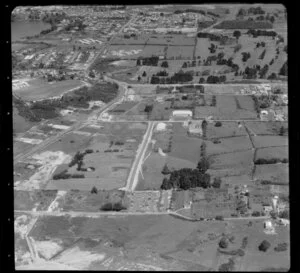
133	176
88	214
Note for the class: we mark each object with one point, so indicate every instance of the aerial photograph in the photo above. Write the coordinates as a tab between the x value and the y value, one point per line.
150	137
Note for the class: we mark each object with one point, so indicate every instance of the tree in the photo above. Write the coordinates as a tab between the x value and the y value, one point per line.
165	169
94	190
281	131
203	165
237	34
284	214
217	182
201	80
144	74
223	242
91	74
264	246
165	64
139	78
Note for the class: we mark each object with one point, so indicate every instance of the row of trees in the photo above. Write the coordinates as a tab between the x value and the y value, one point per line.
150	61
259	32
179	77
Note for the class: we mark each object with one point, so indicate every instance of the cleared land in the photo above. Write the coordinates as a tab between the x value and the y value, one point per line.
39	89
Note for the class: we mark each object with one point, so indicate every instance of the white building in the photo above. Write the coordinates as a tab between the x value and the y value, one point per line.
161	126
182	113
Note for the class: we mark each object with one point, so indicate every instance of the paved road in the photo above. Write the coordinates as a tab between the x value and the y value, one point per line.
132	179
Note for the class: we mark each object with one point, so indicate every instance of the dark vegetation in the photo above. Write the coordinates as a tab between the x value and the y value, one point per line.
113	207
65	175
281	247
261	161
264	246
229	266
243	24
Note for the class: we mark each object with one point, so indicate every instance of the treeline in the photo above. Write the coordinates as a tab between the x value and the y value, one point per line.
258	32
216	79
65	175
190	10
243	24
180	77
150	61
213	37
284	69
261	161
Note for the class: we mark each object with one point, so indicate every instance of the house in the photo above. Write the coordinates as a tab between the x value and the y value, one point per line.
161	126
195	128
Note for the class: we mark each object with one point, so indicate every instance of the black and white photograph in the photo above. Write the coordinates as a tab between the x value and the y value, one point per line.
150	137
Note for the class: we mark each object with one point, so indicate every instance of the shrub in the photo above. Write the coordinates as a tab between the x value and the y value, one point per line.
165	170
219	218
217	182
89	151
218	124
112	206
223	243
284	214
255	213
216	141
245	241
281	247
227	266
264	246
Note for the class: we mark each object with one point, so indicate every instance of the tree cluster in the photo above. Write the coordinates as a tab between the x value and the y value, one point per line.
113	206
245	56
284	69
259	32
65	175
216	79
261	161
185	179
150	61
179	77
264	246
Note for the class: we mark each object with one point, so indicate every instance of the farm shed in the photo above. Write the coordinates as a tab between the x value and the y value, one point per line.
161	126
182	113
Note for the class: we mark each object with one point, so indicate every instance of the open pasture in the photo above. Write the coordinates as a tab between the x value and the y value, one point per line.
276	173
171	39
124	51
272	152
39	89
265	128
229	145
227	129
169	243
37	199
182	52
269	141
231	164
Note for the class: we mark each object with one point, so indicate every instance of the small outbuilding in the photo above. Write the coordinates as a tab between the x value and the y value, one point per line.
161	126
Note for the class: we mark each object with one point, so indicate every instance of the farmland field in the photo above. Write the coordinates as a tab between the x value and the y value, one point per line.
272	152
269	141
276	173
112	152
169	243
39	89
